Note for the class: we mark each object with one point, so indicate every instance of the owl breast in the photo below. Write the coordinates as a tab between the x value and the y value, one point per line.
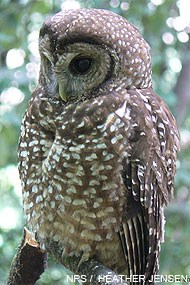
85	170
77	185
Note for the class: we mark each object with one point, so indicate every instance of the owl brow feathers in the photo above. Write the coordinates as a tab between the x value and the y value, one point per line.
115	33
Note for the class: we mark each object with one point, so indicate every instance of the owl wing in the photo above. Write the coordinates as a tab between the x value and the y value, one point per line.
148	174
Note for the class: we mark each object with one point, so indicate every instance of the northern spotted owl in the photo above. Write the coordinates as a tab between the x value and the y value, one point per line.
97	151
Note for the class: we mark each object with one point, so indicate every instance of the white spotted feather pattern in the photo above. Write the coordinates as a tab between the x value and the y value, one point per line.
97	151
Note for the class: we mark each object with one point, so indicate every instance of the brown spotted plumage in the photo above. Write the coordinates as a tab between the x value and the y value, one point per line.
98	147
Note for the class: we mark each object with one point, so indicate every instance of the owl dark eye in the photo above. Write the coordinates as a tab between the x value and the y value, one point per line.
80	65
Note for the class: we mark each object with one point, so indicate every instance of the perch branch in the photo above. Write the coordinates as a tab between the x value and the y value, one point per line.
92	271
29	262
97	273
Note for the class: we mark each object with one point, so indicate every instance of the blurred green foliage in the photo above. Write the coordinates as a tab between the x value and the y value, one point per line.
20	22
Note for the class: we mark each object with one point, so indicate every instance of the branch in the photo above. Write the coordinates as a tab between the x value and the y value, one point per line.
92	271
182	89
97	273
29	262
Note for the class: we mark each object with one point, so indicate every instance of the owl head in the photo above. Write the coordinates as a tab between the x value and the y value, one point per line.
88	52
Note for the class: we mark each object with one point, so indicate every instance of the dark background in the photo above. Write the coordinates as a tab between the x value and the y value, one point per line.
166	27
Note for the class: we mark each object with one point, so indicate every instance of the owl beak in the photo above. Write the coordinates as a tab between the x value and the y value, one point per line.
62	92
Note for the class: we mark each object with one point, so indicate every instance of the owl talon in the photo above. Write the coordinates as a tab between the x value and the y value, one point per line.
85	257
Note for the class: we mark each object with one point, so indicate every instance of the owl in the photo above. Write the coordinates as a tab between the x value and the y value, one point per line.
97	150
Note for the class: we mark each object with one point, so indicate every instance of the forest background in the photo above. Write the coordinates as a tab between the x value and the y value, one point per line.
165	24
